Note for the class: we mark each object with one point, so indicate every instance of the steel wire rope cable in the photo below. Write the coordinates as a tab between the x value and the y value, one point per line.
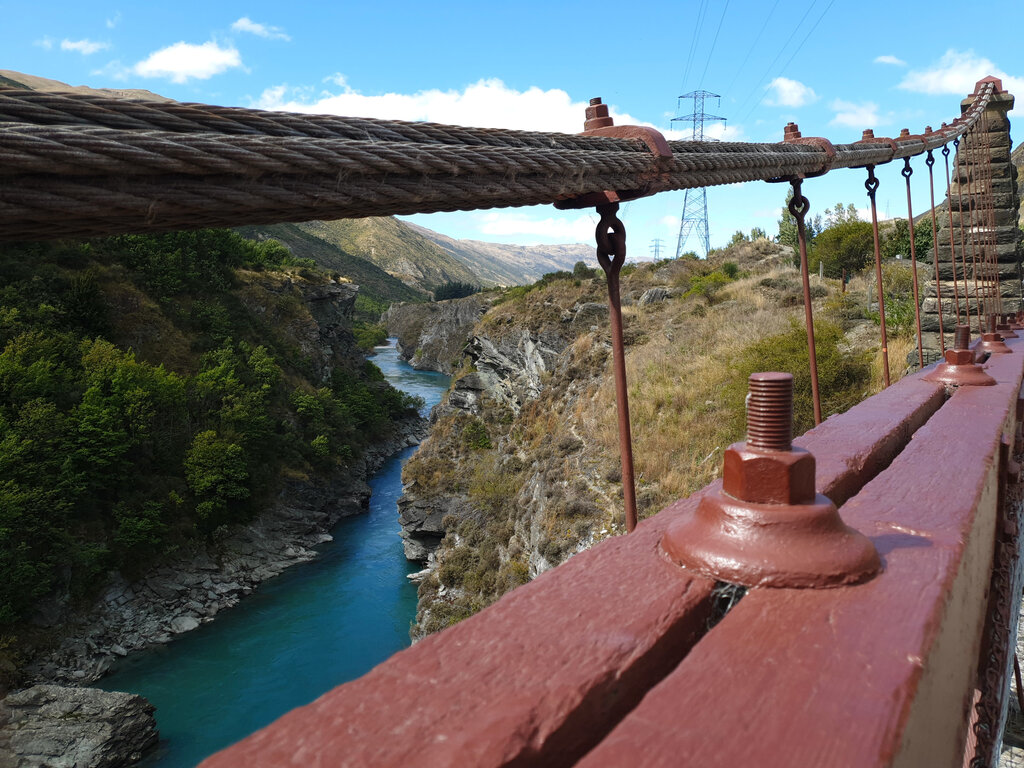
172	179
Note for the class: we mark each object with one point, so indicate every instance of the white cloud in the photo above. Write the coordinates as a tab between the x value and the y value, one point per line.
182	61
485	104
956	74
669	221
84	46
569	228
855	115
864	214
114	20
45	43
245	24
790	93
888	59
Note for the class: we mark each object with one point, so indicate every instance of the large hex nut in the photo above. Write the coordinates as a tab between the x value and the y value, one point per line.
959	356
768	477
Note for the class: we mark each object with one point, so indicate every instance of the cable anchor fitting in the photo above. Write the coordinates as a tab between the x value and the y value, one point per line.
599	123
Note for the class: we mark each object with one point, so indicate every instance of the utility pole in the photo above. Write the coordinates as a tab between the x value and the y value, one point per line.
656	244
695	203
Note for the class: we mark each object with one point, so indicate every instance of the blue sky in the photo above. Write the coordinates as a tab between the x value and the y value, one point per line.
834	67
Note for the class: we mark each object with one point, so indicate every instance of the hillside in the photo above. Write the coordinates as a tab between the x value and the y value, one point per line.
377	289
12	79
395	248
504	264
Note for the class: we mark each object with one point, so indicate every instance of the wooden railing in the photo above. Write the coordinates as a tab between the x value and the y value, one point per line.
608	660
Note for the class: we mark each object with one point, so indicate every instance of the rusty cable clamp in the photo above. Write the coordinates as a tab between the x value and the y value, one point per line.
600	124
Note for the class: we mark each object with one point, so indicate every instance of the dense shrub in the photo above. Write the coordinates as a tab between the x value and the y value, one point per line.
842	376
454	290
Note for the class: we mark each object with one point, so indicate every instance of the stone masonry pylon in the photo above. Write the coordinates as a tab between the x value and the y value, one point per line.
970	173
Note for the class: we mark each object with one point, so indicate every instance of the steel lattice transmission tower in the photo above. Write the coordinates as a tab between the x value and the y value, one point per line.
695	203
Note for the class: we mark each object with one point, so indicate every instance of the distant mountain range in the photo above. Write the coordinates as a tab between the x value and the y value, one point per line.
503	264
392	260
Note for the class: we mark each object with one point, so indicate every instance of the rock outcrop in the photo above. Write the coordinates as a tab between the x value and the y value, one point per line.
325	333
48	726
431	337
507	367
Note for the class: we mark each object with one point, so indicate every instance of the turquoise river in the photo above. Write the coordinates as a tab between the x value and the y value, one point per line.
317	625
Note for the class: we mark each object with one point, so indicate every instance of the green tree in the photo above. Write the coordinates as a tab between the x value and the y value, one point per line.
844	246
897	241
840	214
216	472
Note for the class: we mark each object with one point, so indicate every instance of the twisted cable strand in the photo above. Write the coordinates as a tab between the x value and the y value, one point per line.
84	165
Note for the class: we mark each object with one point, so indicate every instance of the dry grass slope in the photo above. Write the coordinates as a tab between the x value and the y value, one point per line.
546	483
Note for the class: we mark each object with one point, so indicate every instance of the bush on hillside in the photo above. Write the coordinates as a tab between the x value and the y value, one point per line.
842	376
454	290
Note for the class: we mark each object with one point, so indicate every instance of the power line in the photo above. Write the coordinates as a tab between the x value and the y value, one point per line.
693	42
779	54
700	83
790	60
753	46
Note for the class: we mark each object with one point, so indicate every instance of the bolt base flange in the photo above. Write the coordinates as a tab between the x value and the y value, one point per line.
967	375
771	545
993	344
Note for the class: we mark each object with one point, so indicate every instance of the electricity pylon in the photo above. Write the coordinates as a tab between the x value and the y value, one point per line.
695	203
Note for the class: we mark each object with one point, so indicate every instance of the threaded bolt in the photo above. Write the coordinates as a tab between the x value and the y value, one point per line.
770	411
991	323
962	337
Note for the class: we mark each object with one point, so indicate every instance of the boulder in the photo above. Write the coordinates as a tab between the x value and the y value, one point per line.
58	727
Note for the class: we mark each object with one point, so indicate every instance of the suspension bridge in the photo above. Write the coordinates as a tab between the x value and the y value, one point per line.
845	598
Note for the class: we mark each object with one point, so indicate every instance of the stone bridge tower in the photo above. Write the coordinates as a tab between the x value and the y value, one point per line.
1007	236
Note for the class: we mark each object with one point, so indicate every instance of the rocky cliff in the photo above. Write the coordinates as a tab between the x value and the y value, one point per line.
432	337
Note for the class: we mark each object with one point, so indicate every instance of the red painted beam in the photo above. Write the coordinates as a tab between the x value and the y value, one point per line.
535	679
871	675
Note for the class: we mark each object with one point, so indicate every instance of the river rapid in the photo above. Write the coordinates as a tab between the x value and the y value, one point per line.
300	634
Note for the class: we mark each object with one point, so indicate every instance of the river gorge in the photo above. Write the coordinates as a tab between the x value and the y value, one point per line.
314	627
